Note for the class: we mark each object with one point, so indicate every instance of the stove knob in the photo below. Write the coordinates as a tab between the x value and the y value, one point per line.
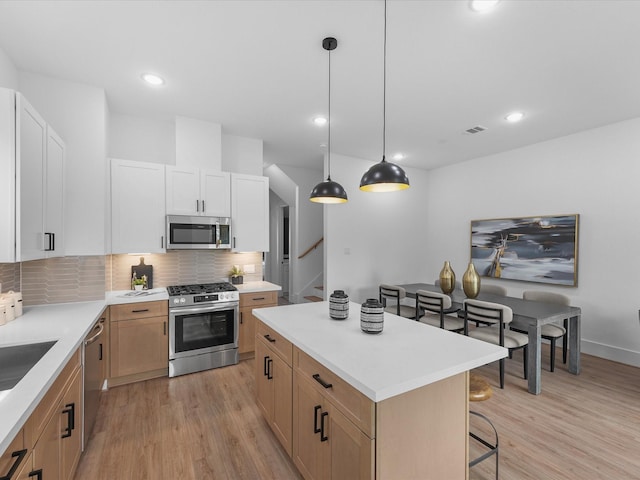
176	300
183	300
223	296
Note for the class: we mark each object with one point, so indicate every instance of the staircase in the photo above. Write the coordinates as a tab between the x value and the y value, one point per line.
317	297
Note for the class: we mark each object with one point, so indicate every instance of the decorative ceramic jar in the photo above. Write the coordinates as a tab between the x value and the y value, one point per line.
17	300
3	309
339	305
471	282
447	279
372	316
9	307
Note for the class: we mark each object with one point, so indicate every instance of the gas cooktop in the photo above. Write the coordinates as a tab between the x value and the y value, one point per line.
199	289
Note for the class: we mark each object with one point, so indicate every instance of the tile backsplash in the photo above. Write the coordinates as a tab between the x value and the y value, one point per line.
86	278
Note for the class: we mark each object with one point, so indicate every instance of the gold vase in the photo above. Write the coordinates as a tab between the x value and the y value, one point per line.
471	282
447	279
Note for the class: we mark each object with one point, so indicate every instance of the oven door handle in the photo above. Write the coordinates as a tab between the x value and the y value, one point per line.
208	308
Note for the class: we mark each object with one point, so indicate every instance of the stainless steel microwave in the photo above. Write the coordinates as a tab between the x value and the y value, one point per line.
198	233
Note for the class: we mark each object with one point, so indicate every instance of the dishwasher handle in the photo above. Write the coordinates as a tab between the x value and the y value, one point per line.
93	338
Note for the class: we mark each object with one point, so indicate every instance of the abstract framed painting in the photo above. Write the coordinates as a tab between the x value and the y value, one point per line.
542	249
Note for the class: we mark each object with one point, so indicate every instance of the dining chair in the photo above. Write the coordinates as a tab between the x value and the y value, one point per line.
391	297
493	289
499	317
433	308
550	331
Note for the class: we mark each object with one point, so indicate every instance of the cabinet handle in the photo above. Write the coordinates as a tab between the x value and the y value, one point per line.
323	437
234	242
36	473
20	454
258	298
164	328
272	340
264	370
203	206
140	311
316	377
315	418
161	241
70	409
48	248
100	353
197	205
53	242
269	373
240	318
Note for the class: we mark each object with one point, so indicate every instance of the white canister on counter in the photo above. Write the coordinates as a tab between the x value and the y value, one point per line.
9	308
17	302
3	316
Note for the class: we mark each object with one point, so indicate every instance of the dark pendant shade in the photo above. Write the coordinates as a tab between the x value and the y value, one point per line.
328	192
384	177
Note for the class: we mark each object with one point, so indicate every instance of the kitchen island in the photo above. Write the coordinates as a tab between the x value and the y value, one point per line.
386	406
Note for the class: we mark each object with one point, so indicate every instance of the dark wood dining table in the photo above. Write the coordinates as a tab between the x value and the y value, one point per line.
530	316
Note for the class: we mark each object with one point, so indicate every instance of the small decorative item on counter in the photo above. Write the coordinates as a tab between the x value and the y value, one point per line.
9	307
139	283
447	279
471	282
16	299
236	275
3	315
339	305
372	316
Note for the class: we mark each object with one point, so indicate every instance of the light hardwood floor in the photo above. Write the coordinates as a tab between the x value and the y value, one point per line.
207	426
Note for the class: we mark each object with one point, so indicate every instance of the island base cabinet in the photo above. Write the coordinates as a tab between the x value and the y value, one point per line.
326	444
273	392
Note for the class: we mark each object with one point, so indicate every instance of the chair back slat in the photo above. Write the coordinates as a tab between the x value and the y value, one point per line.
432	301
487	312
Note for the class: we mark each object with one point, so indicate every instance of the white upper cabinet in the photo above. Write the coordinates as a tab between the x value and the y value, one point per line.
249	213
192	191
137	207
32	158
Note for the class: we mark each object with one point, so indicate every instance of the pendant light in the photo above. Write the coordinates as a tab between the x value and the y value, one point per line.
384	176
329	191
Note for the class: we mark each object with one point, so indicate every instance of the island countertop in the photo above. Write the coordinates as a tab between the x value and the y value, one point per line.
405	356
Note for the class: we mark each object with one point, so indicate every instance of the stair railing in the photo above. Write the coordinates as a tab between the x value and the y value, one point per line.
311	248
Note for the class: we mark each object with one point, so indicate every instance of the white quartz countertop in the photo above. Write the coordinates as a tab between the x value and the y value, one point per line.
405	356
252	287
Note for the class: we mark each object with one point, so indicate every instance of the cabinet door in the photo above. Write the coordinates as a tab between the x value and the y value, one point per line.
183	191
54	205
282	383
249	213
215	193
247	331
30	164
137	207
46	454
264	389
350	452
7	176
139	345
307	445
71	426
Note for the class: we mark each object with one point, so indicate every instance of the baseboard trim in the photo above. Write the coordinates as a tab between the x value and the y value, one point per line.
616	354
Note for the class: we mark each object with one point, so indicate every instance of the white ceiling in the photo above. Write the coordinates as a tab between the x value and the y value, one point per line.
258	68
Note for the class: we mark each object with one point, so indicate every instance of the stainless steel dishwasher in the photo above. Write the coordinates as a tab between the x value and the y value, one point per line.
94	374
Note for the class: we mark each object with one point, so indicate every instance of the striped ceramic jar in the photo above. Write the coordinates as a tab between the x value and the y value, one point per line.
339	305
372	316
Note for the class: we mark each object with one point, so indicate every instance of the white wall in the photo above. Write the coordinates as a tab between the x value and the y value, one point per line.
375	238
142	139
241	155
77	113
593	173
8	72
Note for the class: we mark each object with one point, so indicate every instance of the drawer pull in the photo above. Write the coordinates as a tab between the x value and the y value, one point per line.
315	418
258	298
269	373
70	410
268	337
317	378
140	311
20	454
36	473
323	437
265	370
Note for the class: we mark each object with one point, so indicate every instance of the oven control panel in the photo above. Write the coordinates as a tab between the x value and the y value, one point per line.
206	298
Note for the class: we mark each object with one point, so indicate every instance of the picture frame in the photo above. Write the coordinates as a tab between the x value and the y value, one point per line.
540	249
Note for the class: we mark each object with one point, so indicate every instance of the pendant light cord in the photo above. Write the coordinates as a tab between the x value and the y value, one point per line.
329	124
384	86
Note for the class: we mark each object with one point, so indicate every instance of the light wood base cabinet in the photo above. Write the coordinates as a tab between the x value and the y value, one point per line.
139	342
247	332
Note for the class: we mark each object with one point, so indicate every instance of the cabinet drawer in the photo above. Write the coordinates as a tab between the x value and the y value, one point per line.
277	342
40	416
139	310
258	298
7	460
352	403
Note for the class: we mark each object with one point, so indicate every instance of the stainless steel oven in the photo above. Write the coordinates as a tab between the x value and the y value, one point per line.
203	327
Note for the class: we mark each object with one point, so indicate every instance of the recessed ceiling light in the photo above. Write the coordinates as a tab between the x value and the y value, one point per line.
153	79
320	121
482	6
514	117
398	156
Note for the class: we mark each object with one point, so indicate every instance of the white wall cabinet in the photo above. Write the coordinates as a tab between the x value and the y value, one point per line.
192	191
137	207
249	213
32	158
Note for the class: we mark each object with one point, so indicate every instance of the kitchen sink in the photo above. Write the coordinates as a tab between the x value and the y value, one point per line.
17	360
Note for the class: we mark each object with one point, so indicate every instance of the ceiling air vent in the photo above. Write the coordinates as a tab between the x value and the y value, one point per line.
476	129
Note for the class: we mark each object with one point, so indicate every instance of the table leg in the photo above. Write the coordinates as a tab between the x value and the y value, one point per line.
535	353
574	345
